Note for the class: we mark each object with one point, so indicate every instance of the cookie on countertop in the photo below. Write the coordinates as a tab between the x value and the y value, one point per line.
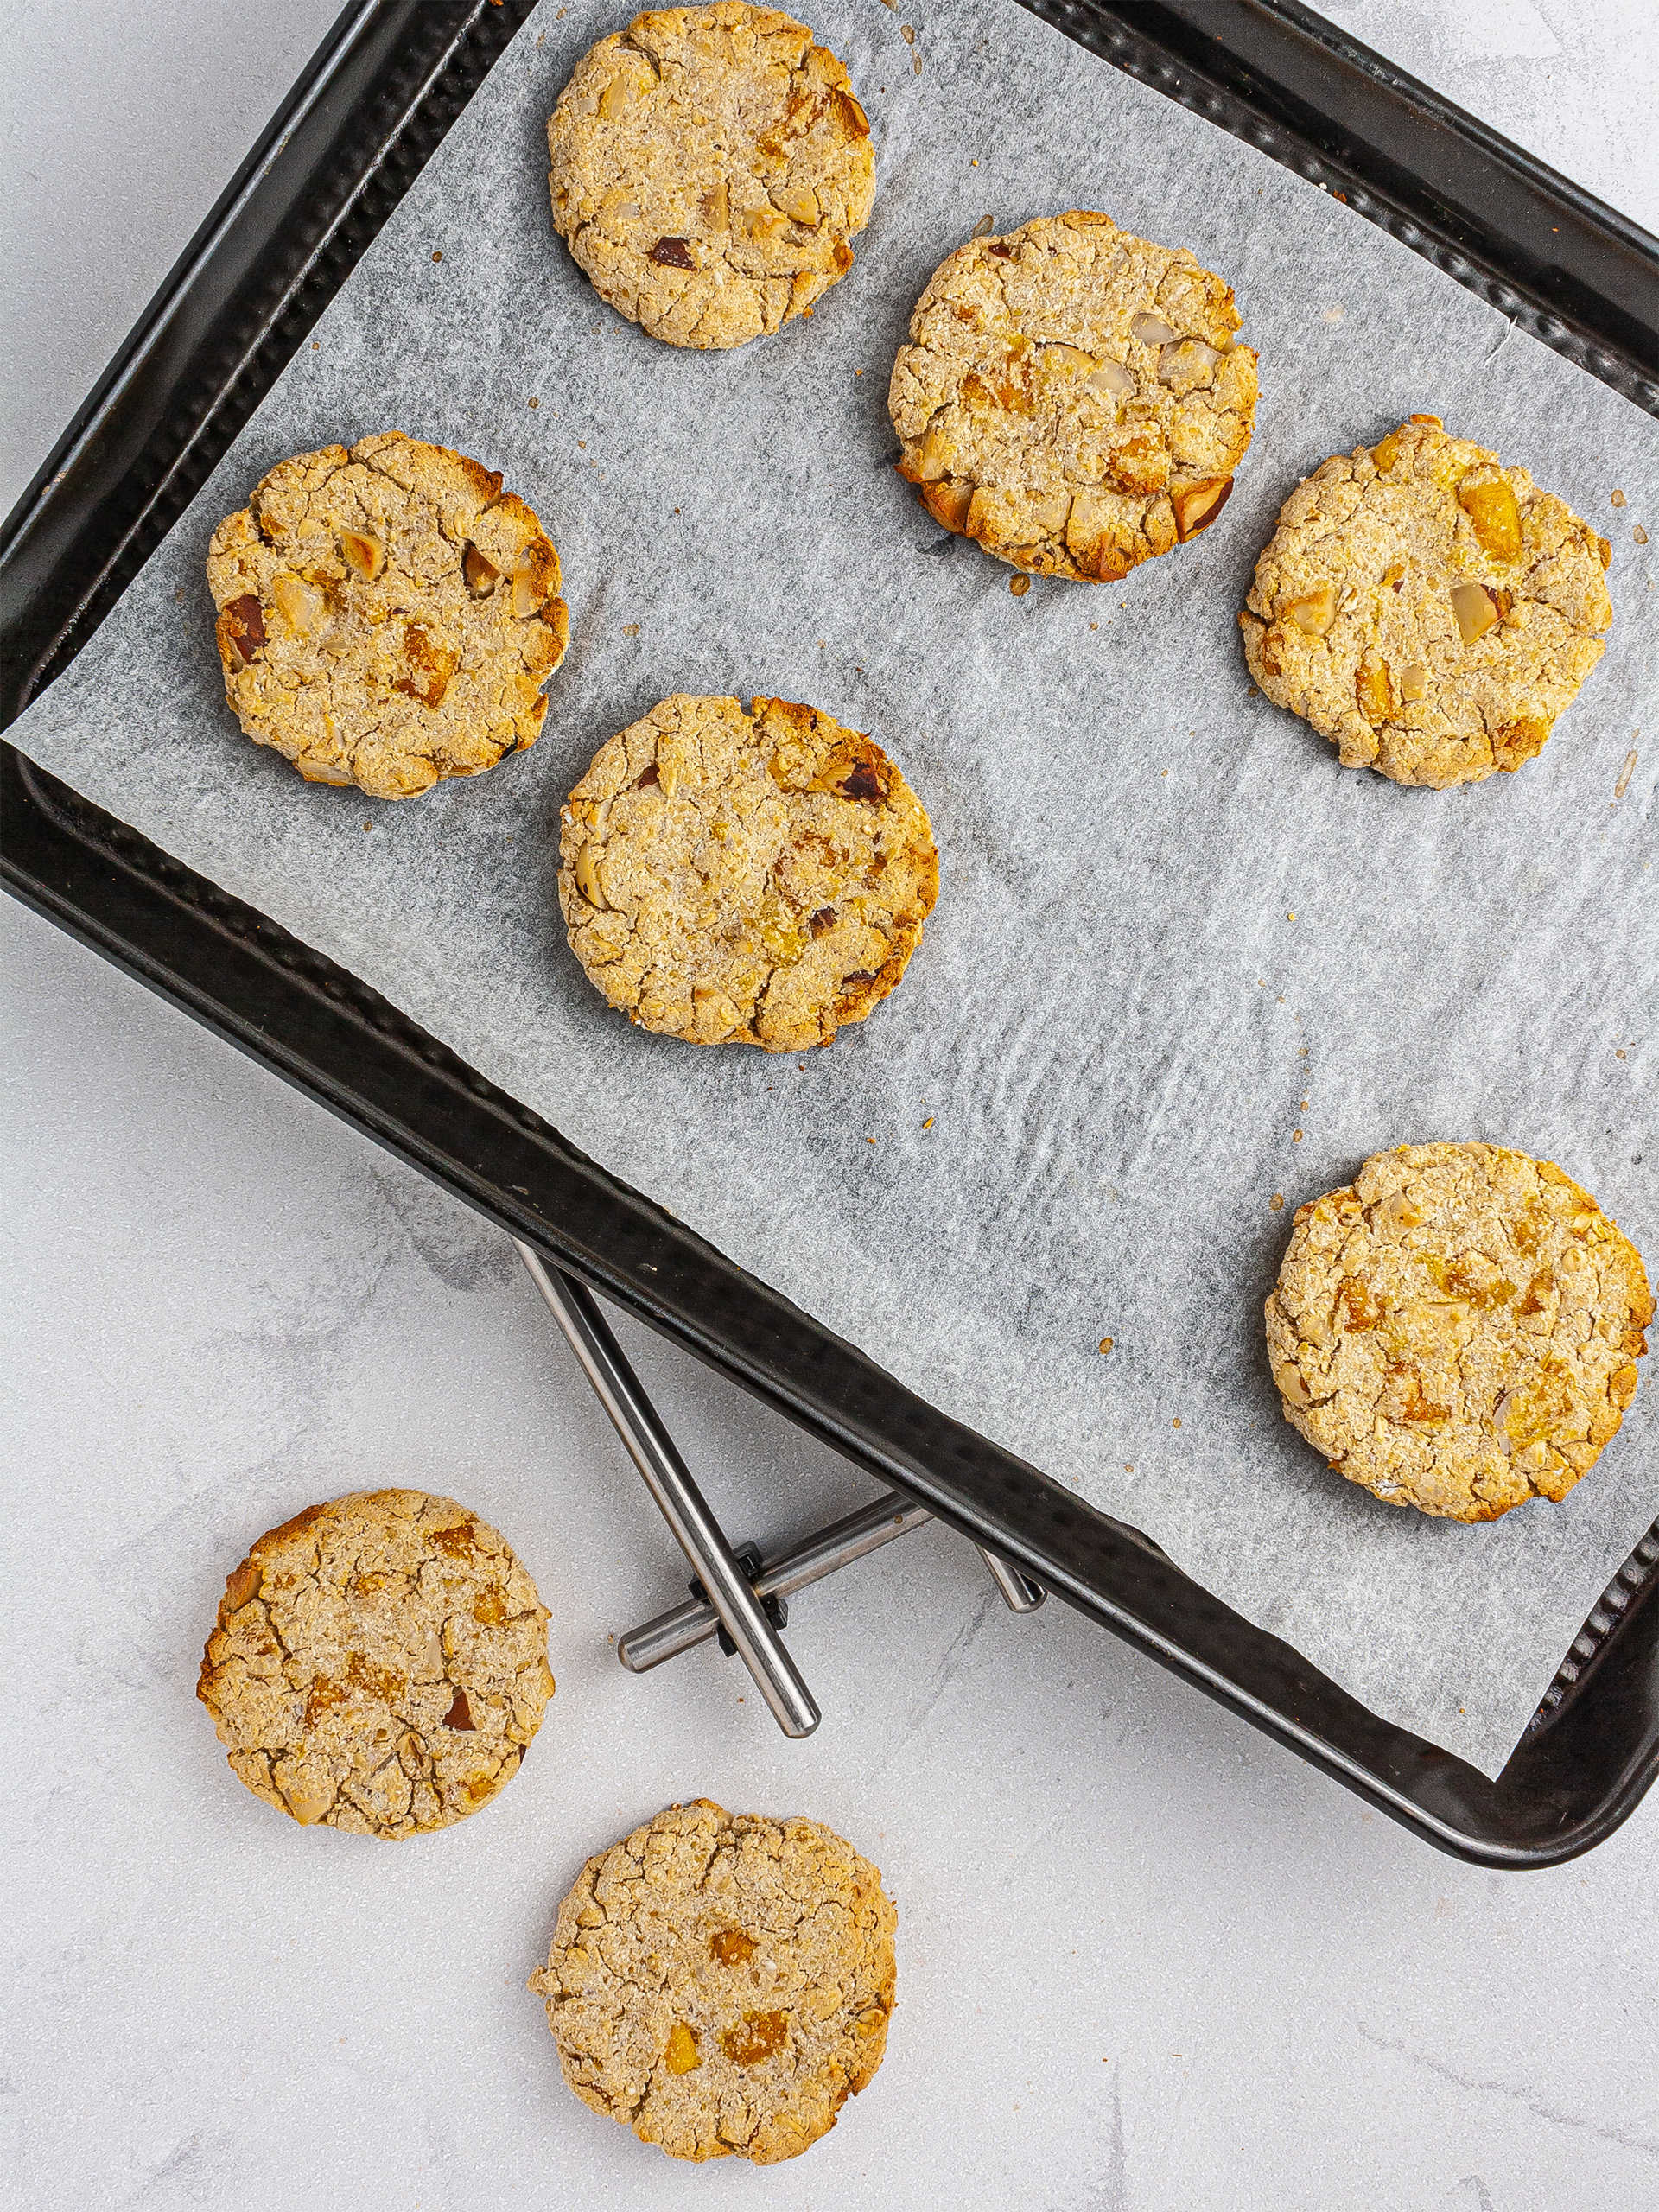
1072	398
721	1983
380	1664
1459	1330
387	616
708	167
1428	610
753	877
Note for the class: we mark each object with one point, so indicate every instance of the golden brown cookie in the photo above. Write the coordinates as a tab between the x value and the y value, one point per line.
721	1983
380	1664
1459	1330
1072	397
1427	609
709	167
386	616
749	878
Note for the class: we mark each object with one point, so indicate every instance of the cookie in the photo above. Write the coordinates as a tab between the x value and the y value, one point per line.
1072	397
1428	610
1459	1330
387	616
708	167
721	1983
380	1664
751	878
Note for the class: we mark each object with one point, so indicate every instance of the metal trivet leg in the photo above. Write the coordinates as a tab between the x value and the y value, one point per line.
742	1615
736	1596
1019	1593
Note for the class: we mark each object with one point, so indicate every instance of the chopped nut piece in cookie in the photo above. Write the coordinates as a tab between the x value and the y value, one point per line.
1072	396
243	626
1315	612
360	627
1196	505
767	883
708	2049
482	575
708	167
1424	557
1459	1330
1476	610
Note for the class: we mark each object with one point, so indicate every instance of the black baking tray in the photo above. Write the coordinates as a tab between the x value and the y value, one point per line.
372	107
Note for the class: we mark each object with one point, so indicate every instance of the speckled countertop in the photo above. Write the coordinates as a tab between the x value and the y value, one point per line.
1148	1962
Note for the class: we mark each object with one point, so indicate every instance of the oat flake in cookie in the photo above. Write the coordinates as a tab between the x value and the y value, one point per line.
753	877
721	1983
708	167
1460	1329
1427	609
1072	397
380	1664
387	616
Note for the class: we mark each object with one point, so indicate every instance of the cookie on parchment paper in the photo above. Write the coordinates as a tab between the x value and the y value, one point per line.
1072	397
1428	610
380	1664
721	1983
1459	1330
708	167
743	877
387	615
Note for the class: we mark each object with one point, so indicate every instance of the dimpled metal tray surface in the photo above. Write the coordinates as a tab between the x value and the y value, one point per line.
372	106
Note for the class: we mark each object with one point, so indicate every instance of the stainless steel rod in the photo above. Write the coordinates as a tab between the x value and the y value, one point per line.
837	1545
1019	1593
681	1504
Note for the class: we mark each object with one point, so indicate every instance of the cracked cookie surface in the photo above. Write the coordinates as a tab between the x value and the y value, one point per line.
1072	396
380	1664
708	167
721	1983
1457	1330
753	878
387	615
1428	610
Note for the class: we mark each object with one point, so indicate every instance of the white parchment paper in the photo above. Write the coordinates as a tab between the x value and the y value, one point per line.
1171	934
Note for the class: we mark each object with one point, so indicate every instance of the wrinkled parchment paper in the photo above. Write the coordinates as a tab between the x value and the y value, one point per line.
1181	961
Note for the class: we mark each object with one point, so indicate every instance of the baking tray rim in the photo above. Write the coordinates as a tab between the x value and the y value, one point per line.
1636	1772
